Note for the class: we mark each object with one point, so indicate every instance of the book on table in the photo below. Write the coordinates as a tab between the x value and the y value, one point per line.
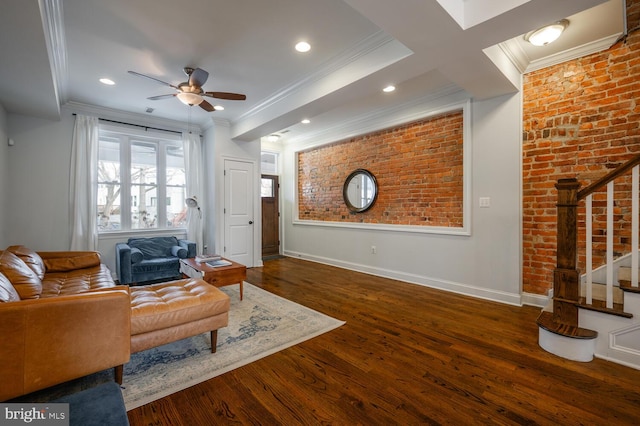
207	257
218	263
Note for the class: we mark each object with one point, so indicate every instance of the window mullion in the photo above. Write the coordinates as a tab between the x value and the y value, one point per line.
125	177
161	184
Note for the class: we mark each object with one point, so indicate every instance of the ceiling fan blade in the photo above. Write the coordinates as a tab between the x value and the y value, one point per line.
198	77
155	98
226	95
152	78
206	106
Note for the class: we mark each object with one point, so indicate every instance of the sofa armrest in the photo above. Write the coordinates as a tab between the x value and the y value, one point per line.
190	246
62	261
123	263
50	341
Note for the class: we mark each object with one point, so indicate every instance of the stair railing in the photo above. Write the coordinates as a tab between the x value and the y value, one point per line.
566	280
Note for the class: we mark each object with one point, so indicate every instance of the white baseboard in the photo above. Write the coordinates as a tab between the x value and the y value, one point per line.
464	289
537	300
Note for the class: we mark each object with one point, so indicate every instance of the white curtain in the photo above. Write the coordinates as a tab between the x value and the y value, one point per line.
83	184
195	188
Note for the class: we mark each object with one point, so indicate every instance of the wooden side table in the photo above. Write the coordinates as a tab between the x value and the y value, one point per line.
220	276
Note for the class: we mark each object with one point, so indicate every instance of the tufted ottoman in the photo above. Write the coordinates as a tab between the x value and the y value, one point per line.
165	312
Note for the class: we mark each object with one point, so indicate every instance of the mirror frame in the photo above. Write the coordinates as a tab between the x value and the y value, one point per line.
345	189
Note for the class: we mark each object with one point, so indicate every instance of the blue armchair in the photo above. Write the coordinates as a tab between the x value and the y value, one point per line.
151	259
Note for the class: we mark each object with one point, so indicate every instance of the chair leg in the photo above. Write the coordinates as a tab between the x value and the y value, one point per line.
118	373
214	341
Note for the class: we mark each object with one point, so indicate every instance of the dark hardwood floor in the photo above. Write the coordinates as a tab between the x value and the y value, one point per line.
406	355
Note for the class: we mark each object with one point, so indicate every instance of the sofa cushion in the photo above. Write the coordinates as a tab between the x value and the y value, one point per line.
136	255
78	281
70	261
7	292
31	258
154	247
24	280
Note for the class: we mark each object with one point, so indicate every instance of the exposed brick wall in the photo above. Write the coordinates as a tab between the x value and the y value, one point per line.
418	167
581	120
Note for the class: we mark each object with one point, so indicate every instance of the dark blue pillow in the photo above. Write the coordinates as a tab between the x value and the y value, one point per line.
180	252
136	256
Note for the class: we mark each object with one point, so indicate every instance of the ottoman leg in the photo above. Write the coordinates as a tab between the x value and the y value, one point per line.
214	341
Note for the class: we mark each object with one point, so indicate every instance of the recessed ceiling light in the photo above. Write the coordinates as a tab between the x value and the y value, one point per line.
306	121
547	34
107	81
218	108
389	88
303	47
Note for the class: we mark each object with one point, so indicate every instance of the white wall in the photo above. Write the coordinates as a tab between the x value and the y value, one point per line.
4	176
485	264
39	163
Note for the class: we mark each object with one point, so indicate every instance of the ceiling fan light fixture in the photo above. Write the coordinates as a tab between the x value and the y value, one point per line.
547	34
189	98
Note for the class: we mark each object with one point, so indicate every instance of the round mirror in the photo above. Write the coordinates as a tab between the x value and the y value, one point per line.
360	191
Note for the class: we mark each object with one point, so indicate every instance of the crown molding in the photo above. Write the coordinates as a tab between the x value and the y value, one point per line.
525	64
347	57
131	117
53	25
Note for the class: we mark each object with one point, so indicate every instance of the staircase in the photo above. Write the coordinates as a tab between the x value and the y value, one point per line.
597	313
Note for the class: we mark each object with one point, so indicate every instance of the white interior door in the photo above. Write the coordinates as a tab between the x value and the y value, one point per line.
238	211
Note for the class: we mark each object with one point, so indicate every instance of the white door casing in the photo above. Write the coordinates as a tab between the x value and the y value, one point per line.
238	211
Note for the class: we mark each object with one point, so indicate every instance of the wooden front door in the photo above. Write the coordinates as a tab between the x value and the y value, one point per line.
270	216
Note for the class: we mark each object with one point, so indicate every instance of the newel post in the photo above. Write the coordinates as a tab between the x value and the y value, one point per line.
566	278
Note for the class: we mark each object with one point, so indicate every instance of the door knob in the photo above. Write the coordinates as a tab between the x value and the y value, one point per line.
250	222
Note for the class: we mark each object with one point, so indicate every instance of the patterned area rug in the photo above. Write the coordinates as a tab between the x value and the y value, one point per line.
259	325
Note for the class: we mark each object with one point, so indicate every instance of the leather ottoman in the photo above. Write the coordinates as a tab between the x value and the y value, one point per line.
165	312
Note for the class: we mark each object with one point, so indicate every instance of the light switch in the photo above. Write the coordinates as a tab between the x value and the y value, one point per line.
485	202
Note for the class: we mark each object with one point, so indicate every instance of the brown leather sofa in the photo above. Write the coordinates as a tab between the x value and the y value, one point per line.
64	317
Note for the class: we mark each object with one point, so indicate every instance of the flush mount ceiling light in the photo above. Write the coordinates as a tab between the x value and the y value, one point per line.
389	89
218	107
273	138
306	121
107	81
547	34
188	98
303	47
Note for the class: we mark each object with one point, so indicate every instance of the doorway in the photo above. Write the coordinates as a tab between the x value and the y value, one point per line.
270	216
238	211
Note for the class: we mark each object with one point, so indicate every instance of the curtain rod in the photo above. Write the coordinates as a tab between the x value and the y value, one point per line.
138	125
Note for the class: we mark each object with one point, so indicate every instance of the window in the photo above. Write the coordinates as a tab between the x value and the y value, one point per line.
141	180
266	188
269	162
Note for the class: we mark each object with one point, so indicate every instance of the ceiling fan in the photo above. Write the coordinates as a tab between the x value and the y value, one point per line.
190	92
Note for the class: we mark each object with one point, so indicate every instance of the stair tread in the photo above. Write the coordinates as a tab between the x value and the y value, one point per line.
626	286
545	320
601	306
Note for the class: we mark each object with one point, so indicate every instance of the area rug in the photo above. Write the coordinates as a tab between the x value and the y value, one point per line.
259	325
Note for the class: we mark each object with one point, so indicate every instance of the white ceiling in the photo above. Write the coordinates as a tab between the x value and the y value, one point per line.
54	51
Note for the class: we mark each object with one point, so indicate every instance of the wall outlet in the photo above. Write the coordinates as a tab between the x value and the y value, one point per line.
374	250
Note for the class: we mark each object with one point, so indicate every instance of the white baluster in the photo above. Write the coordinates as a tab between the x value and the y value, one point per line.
589	249
634	225
610	245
